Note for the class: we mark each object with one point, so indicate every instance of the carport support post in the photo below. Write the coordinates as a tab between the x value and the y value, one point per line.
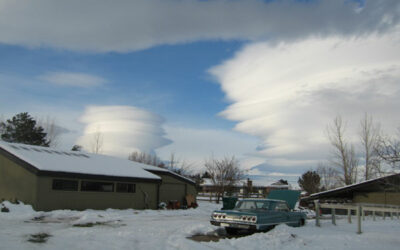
391	215
373	214
317	213
359	211
349	215
333	216
363	214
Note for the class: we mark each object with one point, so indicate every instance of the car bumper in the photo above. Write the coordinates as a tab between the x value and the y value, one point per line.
234	225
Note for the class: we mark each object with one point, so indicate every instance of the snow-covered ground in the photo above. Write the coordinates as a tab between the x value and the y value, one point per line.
134	229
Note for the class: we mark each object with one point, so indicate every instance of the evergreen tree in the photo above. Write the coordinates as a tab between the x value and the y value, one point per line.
76	148
310	182
22	129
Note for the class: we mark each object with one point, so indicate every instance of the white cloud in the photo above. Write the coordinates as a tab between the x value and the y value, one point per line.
287	94
72	79
124	129
194	145
102	25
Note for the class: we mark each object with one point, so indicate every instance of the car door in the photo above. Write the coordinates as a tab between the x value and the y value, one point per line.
282	212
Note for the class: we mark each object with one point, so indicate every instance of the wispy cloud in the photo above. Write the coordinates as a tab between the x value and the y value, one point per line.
103	25
287	94
124	129
72	79
195	145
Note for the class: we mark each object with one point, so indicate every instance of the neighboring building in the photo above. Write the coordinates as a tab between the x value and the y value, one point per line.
384	191
246	187
51	179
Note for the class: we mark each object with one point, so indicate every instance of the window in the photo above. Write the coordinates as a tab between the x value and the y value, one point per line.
66	185
125	187
281	207
97	186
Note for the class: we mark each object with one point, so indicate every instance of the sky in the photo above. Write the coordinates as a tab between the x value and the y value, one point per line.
259	80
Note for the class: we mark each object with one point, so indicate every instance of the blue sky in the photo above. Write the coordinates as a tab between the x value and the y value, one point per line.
170	80
256	79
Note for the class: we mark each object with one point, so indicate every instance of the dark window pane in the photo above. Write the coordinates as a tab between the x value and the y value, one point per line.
97	186
66	185
125	187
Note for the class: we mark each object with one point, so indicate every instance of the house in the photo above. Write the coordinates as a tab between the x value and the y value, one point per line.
384	190
51	179
245	187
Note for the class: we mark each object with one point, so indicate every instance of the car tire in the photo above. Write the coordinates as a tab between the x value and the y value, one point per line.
231	230
301	222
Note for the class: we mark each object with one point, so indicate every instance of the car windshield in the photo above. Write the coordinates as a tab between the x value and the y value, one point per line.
245	205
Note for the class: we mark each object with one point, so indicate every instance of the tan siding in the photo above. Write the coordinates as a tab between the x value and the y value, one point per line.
173	188
389	198
17	183
191	189
53	199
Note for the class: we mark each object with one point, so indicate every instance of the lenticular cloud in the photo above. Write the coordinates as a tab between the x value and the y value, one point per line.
122	130
287	93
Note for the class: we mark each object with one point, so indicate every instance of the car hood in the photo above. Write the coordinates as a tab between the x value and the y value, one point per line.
290	196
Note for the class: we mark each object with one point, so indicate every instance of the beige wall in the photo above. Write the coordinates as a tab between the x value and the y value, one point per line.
17	183
79	200
175	189
388	198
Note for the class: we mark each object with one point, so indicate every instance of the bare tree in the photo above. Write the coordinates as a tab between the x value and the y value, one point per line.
388	149
142	157
344	158
2	124
178	166
369	135
329	176
224	174
52	130
97	143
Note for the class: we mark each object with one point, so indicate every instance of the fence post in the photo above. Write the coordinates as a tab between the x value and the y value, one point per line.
373	214
384	215
349	215
359	211
333	216
397	214
363	214
317	223
391	215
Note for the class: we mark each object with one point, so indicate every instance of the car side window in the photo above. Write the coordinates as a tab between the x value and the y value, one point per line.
281	207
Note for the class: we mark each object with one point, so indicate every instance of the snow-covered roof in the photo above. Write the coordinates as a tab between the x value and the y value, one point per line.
165	170
50	159
352	185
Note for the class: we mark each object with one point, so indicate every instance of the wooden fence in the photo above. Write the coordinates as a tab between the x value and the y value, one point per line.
360	210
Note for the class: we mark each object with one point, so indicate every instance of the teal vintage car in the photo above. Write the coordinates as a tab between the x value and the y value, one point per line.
257	215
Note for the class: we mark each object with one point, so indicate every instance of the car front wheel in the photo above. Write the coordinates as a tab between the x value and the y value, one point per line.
301	223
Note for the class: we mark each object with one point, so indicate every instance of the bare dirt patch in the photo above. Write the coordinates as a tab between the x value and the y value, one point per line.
216	235
39	238
114	223
48	219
